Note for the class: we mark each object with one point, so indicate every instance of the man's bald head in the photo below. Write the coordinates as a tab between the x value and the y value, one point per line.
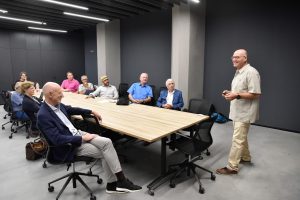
144	78
50	87
53	93
242	52
240	58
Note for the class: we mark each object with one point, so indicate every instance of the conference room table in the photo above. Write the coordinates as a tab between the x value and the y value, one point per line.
146	123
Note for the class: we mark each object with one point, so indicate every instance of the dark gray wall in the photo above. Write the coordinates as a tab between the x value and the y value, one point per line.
45	57
90	52
270	32
146	47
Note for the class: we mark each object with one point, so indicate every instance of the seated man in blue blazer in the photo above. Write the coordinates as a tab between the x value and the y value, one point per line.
54	122
170	98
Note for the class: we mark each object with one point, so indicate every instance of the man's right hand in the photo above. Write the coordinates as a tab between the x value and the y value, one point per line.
88	137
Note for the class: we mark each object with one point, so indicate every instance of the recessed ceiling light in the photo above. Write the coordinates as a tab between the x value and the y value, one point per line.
22	20
3	11
66	4
48	29
196	1
86	16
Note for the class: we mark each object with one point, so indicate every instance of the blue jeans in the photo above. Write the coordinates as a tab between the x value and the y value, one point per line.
20	115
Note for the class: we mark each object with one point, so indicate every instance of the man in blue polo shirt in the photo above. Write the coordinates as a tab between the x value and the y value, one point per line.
141	92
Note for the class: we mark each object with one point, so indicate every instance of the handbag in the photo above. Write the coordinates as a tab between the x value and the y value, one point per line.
36	149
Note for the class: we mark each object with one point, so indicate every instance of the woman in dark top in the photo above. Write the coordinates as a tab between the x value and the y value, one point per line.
31	104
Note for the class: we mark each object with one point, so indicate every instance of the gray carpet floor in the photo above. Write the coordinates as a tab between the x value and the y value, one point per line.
274	173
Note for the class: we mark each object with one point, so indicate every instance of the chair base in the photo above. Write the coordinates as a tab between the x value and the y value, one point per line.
16	123
189	166
74	176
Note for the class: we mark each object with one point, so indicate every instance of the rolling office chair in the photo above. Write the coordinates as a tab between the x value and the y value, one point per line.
192	146
6	107
123	87
91	124
153	99
72	176
199	106
16	123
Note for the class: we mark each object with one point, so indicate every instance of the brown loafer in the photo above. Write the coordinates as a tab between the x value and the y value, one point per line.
226	171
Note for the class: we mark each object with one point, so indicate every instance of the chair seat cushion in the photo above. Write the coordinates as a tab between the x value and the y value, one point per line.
188	146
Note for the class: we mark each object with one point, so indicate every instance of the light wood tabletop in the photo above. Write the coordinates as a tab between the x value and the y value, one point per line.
146	123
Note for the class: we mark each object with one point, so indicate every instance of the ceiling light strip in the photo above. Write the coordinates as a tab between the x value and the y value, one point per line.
48	29
3	11
22	20
66	4
86	16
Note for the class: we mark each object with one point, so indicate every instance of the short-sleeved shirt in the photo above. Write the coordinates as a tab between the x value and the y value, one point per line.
72	85
140	92
246	79
83	88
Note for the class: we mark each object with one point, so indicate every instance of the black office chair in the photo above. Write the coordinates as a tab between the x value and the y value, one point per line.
123	87
91	124
5	98
199	106
72	176
16	123
153	99
192	146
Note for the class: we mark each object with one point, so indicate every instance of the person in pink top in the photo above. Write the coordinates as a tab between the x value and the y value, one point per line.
70	84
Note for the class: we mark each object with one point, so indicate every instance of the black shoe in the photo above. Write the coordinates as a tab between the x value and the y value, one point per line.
127	186
245	161
111	188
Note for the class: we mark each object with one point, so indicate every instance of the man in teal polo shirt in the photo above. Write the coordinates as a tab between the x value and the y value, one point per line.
140	92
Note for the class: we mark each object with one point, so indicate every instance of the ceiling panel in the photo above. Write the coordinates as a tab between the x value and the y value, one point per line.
53	15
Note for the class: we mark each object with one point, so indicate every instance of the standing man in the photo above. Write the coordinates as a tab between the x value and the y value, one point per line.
244	104
140	92
105	91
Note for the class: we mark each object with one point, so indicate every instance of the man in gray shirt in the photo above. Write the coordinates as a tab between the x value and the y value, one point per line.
244	104
105	91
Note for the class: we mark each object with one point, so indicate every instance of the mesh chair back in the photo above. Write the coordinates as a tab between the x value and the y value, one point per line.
123	87
200	106
92	125
5	96
202	138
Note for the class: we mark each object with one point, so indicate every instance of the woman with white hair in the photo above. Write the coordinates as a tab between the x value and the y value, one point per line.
170	98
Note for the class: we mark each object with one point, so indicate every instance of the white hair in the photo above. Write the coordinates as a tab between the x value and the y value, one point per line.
168	81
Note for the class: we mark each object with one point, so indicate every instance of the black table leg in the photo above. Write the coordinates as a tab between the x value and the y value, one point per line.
163	172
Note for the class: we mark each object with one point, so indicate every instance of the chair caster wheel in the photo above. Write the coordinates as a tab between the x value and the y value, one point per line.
99	181
10	137
201	190
27	137
151	192
208	153
172	185
44	165
3	128
213	177
50	188
93	197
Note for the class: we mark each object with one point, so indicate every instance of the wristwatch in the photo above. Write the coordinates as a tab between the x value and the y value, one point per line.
238	96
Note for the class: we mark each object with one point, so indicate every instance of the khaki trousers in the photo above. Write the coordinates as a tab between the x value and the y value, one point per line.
102	147
239	149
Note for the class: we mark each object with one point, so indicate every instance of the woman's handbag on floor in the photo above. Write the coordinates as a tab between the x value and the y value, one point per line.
36	149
